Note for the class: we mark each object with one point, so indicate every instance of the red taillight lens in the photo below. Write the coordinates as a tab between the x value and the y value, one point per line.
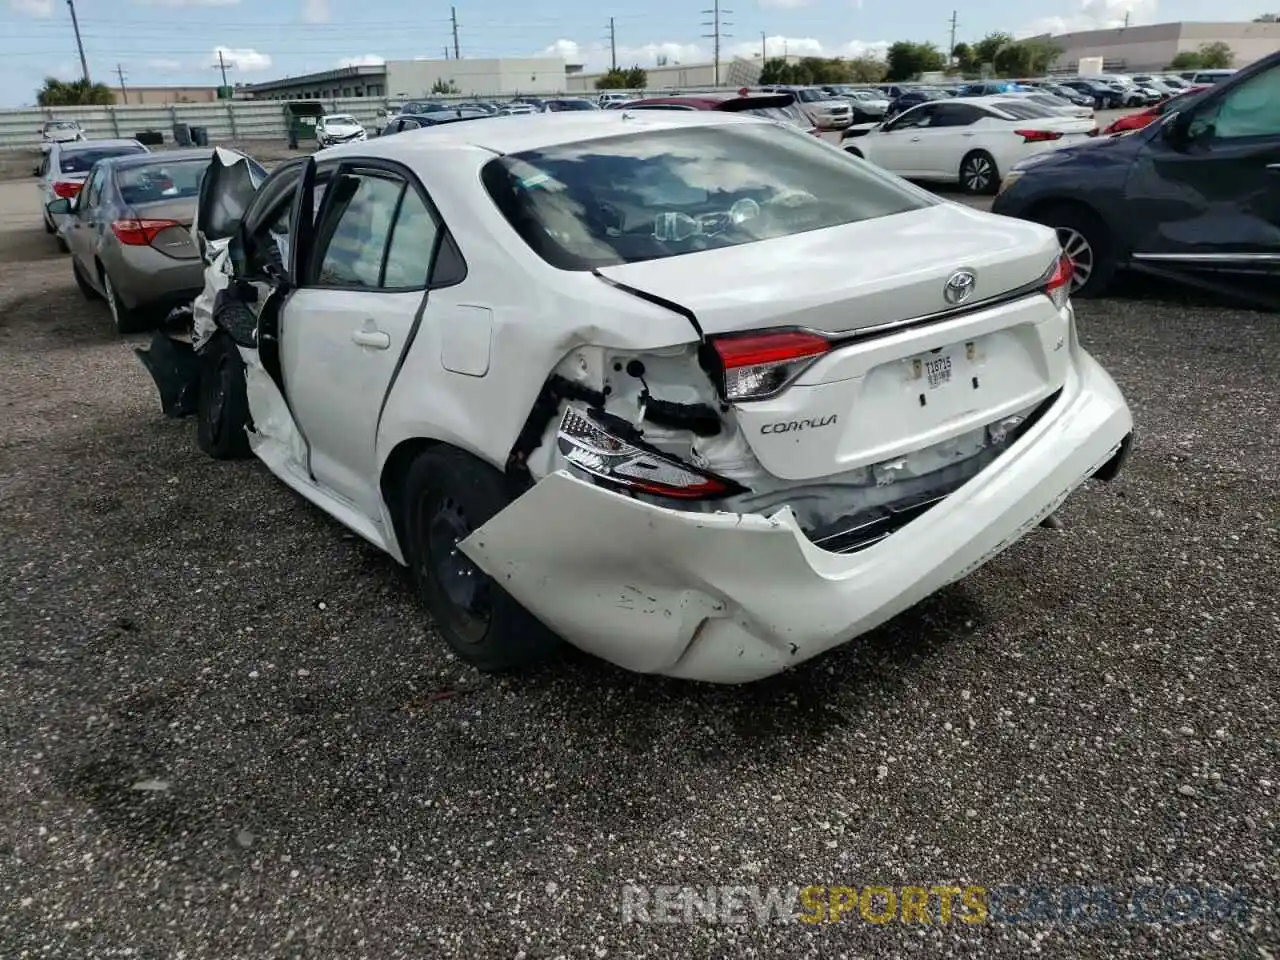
1038	136
756	366
66	189
140	233
1058	283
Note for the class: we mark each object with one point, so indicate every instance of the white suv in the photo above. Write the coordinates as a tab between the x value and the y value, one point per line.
565	374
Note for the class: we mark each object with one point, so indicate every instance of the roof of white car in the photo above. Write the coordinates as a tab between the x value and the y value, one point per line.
517	134
98	144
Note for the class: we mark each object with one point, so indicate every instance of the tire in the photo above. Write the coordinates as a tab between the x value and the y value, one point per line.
62	244
49	228
126	320
222	405
86	288
979	173
1088	241
447	495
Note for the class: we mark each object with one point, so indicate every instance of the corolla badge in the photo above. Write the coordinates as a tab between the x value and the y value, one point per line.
959	286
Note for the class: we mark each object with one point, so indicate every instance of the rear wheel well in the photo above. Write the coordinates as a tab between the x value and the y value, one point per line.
391	483
855	151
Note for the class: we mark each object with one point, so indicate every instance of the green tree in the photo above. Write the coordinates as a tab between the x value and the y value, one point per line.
637	78
962	53
613	79
1186	60
1216	55
74	93
907	60
866	70
1268	18
775	70
1026	58
985	50
444	86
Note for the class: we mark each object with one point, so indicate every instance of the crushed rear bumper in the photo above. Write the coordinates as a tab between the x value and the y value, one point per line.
731	598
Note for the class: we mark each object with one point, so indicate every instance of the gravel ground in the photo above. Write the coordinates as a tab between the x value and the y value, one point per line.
227	731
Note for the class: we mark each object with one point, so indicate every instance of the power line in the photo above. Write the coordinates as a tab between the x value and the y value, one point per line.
124	93
453	17
75	25
717	33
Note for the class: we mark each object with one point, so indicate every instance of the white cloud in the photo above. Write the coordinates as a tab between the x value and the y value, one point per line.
782	4
597	55
33	8
243	59
315	11
165	65
810	47
1094	15
365	60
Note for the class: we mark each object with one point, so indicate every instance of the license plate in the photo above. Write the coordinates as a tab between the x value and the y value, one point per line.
933	368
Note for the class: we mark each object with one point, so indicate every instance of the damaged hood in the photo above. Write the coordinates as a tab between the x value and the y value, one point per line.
230	183
849	277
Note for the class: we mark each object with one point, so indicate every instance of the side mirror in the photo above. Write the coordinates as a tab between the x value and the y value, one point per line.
60	207
1176	129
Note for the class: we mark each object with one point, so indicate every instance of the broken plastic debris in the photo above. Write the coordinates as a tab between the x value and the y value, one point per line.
152	786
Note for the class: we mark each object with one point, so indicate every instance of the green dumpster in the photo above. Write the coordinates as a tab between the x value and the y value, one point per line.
300	119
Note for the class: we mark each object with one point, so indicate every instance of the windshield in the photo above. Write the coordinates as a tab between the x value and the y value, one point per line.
811	96
63	125
789	114
557	105
655	194
1023	109
79	161
340	120
161	181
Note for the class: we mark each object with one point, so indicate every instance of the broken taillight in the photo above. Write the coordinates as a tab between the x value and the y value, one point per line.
1058	281
66	189
755	366
1038	136
140	233
591	443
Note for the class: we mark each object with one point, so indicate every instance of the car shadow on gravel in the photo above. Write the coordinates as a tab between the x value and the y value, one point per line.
63	321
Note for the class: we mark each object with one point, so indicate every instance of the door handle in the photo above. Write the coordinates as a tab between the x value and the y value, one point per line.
915	139
371	338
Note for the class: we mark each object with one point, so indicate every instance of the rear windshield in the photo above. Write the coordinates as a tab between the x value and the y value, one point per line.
79	161
62	125
161	181
557	105
1022	109
661	193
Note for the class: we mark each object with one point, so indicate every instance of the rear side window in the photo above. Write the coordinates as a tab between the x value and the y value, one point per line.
80	161
1022	110
662	193
161	181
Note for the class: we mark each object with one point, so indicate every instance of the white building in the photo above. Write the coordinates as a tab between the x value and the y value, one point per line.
1153	47
406	79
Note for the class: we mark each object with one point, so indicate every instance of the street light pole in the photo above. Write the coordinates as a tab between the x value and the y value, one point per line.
75	25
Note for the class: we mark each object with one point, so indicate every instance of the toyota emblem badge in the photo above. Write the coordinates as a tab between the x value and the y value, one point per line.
959	286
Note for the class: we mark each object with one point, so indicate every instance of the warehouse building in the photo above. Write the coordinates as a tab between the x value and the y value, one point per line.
738	72
1153	47
416	78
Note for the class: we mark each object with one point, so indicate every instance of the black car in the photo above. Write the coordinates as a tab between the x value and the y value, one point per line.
1104	96
913	98
1193	196
409	121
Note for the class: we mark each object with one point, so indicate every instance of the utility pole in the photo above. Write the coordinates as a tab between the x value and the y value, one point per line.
123	92
951	48
446	53
75	25
764	47
222	65
613	45
453	16
717	25
1126	19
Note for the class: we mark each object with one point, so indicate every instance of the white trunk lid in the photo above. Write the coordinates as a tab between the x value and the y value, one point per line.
886	395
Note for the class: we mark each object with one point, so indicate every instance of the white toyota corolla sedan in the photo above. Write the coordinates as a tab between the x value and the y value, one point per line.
696	392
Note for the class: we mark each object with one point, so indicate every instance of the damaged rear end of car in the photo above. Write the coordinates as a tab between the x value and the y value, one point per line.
878	393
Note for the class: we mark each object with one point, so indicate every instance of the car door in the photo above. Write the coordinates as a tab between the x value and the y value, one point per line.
84	225
1206	190
941	144
895	146
345	329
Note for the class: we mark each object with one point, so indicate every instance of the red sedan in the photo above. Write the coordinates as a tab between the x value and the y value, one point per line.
1136	121
774	106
